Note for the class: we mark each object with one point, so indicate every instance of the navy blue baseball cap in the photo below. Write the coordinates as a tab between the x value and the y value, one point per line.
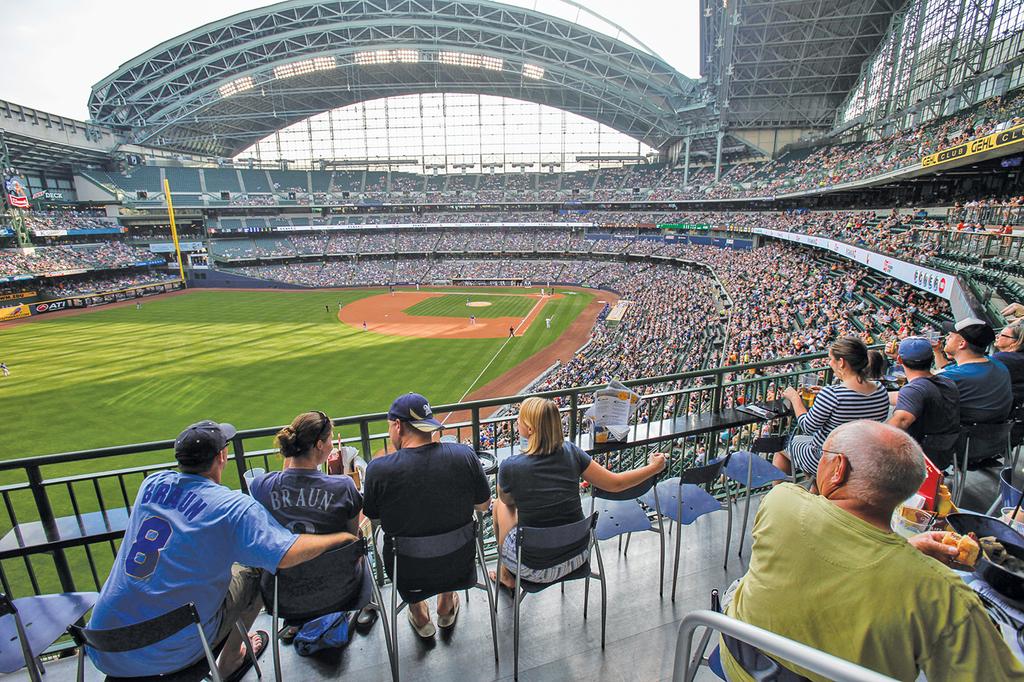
414	409
201	441
916	349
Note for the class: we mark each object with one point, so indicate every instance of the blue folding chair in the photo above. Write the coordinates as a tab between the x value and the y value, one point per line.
531	541
750	469
36	623
621	514
684	501
434	564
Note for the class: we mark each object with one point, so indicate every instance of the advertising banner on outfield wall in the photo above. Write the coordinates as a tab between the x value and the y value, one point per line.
14	312
51	306
941	284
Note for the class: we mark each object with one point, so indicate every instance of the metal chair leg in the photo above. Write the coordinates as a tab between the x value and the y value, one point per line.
679	536
515	623
386	627
728	525
604	591
396	673
276	650
249	652
586	594
491	597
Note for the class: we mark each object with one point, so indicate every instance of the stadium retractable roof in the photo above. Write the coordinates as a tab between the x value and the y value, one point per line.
228	84
787	63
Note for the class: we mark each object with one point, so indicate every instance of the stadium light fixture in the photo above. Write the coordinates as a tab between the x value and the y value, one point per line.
236	86
476	61
305	66
534	72
388	57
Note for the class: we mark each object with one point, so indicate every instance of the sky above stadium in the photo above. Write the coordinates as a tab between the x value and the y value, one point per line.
55	50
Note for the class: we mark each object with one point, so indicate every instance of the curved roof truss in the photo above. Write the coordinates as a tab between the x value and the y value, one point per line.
226	85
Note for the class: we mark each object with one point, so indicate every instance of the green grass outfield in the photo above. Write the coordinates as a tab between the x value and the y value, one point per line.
454	305
116	376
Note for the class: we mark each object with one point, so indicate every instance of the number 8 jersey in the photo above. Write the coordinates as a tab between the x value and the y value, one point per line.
184	534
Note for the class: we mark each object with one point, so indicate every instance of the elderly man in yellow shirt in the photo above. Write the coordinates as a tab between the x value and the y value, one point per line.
828	571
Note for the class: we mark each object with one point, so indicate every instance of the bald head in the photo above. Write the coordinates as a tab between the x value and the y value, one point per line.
886	464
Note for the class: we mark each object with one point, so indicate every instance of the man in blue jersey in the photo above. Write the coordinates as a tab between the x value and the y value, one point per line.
190	539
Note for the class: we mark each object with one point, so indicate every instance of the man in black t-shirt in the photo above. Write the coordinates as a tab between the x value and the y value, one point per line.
927	404
424	488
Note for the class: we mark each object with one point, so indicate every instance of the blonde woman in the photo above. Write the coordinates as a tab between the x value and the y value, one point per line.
539	488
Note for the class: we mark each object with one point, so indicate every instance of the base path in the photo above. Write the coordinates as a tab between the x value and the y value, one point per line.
383	314
562	350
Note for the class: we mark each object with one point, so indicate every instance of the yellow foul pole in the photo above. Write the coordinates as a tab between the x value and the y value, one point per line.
174	230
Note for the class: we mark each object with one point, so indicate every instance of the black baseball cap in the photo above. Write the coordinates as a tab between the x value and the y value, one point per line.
414	409
974	331
201	441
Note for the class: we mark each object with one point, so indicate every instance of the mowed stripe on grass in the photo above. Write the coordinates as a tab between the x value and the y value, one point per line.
457	305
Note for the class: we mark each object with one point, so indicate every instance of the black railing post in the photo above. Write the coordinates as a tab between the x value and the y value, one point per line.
239	455
49	524
574	425
364	439
476	428
716	399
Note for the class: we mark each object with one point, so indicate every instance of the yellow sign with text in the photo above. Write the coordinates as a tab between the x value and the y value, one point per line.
983	144
14	312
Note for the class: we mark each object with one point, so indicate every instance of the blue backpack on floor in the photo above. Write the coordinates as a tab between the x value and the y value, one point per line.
333	631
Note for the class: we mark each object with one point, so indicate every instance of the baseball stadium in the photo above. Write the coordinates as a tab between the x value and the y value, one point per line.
325	311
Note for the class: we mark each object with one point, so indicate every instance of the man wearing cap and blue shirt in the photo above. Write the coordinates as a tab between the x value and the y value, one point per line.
191	539
423	488
986	395
927	403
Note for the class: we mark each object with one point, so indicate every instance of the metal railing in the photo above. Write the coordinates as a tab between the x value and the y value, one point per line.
60	531
983	244
828	666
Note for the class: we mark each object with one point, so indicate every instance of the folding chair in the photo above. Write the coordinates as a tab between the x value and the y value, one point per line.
442	552
148	633
940	447
36	623
984	440
685	501
753	471
621	514
529	542
338	580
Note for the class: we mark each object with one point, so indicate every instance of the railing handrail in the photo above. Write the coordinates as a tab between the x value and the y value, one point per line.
815	660
152	446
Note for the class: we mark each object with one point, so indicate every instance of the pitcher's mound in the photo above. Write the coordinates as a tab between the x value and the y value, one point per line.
478	304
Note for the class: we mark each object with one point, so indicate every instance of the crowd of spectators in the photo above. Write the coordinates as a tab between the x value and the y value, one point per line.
68	220
52	259
101	284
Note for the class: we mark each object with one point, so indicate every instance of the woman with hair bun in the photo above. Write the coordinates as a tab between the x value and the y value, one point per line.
304	499
301	497
856	396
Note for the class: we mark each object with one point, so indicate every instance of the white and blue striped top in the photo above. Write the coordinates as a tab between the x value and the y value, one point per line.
836	405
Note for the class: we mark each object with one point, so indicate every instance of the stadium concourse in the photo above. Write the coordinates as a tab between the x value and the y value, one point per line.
805	262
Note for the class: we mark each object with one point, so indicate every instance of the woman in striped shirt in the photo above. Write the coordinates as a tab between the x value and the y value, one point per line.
856	396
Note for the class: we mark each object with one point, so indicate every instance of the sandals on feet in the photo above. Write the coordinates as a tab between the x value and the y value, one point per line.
426	631
258	648
449	620
287	633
